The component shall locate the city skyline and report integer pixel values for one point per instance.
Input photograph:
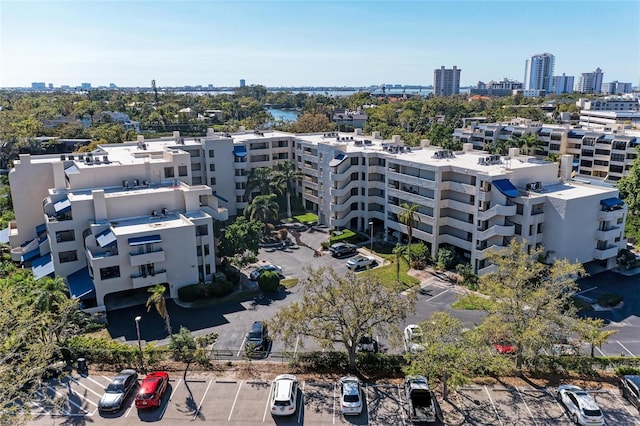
(312, 43)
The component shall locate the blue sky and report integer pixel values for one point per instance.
(296, 43)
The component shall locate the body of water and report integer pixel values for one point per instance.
(283, 114)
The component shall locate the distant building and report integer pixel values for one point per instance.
(504, 87)
(616, 88)
(603, 120)
(50, 86)
(446, 82)
(590, 82)
(609, 104)
(123, 119)
(356, 119)
(538, 72)
(561, 84)
(112, 86)
(242, 82)
(39, 85)
(531, 93)
(85, 86)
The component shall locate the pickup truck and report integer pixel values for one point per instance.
(421, 400)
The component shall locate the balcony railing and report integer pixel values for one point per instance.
(140, 281)
(154, 256)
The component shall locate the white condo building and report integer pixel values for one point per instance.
(538, 72)
(137, 214)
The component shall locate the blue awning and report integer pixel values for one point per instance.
(219, 197)
(148, 239)
(81, 285)
(106, 238)
(41, 228)
(506, 187)
(42, 266)
(30, 255)
(240, 151)
(611, 202)
(62, 205)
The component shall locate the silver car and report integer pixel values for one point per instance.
(581, 406)
(350, 396)
(118, 390)
(255, 274)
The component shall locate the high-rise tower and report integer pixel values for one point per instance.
(539, 72)
(446, 82)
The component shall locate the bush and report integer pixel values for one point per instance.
(269, 281)
(324, 361)
(220, 288)
(609, 299)
(446, 258)
(190, 293)
(627, 370)
(233, 275)
(377, 364)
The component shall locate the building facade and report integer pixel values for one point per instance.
(561, 84)
(616, 88)
(446, 82)
(539, 70)
(590, 82)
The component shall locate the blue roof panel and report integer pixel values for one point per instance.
(62, 205)
(147, 239)
(240, 151)
(506, 187)
(106, 238)
(42, 266)
(81, 285)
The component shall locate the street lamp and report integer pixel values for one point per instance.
(138, 318)
(371, 228)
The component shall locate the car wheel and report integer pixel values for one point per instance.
(574, 417)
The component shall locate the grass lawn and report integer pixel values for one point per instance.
(306, 218)
(473, 302)
(388, 275)
(289, 282)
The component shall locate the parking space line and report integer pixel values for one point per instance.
(264, 415)
(295, 349)
(202, 400)
(553, 397)
(615, 395)
(624, 347)
(87, 388)
(527, 407)
(366, 387)
(175, 389)
(133, 404)
(96, 382)
(334, 403)
(585, 291)
(494, 405)
(234, 401)
(599, 350)
(301, 403)
(73, 403)
(401, 408)
(241, 346)
(437, 295)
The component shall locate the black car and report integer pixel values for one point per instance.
(118, 390)
(258, 337)
(630, 388)
(342, 249)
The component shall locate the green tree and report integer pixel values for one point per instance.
(269, 281)
(285, 174)
(409, 217)
(337, 308)
(590, 331)
(532, 301)
(156, 300)
(263, 208)
(260, 179)
(311, 123)
(241, 236)
(188, 349)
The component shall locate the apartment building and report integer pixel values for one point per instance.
(561, 84)
(590, 82)
(609, 104)
(446, 81)
(616, 88)
(538, 72)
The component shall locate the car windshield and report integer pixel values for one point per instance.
(281, 403)
(592, 413)
(254, 335)
(351, 398)
(146, 395)
(115, 388)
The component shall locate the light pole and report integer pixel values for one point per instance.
(371, 228)
(138, 318)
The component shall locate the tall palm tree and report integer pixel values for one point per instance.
(408, 217)
(157, 300)
(260, 179)
(527, 143)
(263, 208)
(284, 175)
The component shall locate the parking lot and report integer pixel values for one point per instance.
(205, 398)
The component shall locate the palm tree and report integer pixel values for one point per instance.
(527, 143)
(157, 300)
(284, 175)
(408, 217)
(263, 208)
(260, 179)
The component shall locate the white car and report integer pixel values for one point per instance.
(255, 274)
(359, 262)
(285, 395)
(350, 396)
(413, 338)
(581, 406)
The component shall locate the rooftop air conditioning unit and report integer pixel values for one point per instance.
(63, 157)
(534, 186)
(135, 182)
(125, 183)
(154, 213)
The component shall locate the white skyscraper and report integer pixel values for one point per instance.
(539, 72)
(561, 84)
(590, 82)
(446, 82)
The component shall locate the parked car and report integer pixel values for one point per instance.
(503, 347)
(420, 399)
(360, 262)
(118, 390)
(350, 396)
(367, 344)
(152, 388)
(258, 337)
(342, 249)
(630, 389)
(413, 338)
(285, 395)
(581, 406)
(255, 274)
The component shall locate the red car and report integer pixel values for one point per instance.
(151, 390)
(504, 348)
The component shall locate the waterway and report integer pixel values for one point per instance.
(283, 114)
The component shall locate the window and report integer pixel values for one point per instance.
(110, 272)
(63, 236)
(212, 181)
(68, 256)
(212, 167)
(207, 269)
(196, 181)
(211, 153)
(196, 167)
(169, 172)
(206, 250)
(182, 171)
(194, 154)
(202, 230)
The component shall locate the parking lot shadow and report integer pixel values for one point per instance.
(150, 415)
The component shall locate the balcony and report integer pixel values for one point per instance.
(496, 230)
(612, 215)
(458, 187)
(410, 198)
(609, 234)
(458, 206)
(141, 281)
(497, 210)
(455, 241)
(345, 189)
(410, 180)
(484, 253)
(155, 256)
(241, 178)
(456, 223)
(606, 253)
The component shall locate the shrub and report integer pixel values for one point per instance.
(446, 258)
(609, 299)
(190, 293)
(269, 281)
(324, 361)
(221, 288)
(233, 275)
(626, 369)
(376, 364)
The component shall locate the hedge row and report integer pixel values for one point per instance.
(194, 292)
